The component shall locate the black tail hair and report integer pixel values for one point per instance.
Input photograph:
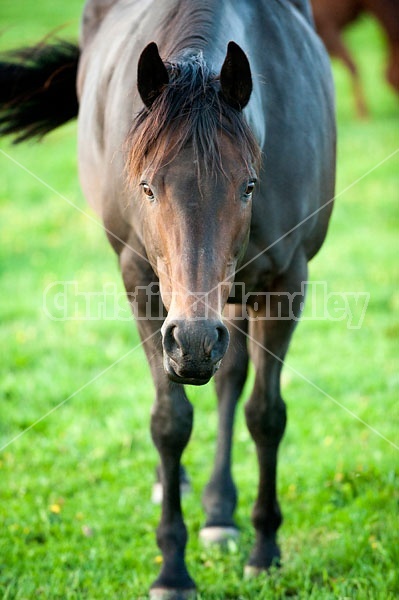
(38, 89)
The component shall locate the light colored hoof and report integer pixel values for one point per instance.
(157, 491)
(218, 535)
(251, 572)
(167, 594)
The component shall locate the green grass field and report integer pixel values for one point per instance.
(77, 462)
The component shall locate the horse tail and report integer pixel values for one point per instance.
(38, 89)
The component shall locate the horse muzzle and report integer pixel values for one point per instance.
(193, 349)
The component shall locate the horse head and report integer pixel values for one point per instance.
(193, 164)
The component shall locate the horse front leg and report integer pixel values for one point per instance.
(270, 331)
(220, 495)
(171, 425)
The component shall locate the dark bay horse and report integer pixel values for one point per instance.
(207, 145)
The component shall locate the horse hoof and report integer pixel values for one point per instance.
(157, 491)
(168, 594)
(218, 535)
(251, 572)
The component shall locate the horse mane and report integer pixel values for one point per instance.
(190, 109)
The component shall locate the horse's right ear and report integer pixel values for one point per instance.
(235, 77)
(151, 74)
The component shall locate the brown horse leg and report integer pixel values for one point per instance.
(220, 495)
(392, 72)
(171, 424)
(340, 51)
(265, 410)
(330, 35)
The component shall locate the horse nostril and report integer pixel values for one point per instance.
(221, 332)
(170, 343)
(221, 343)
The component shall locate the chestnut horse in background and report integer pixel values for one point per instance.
(332, 17)
(206, 142)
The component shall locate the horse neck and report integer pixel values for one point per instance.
(191, 25)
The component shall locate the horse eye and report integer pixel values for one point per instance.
(147, 190)
(249, 189)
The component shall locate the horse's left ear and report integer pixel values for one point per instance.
(235, 77)
(151, 74)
